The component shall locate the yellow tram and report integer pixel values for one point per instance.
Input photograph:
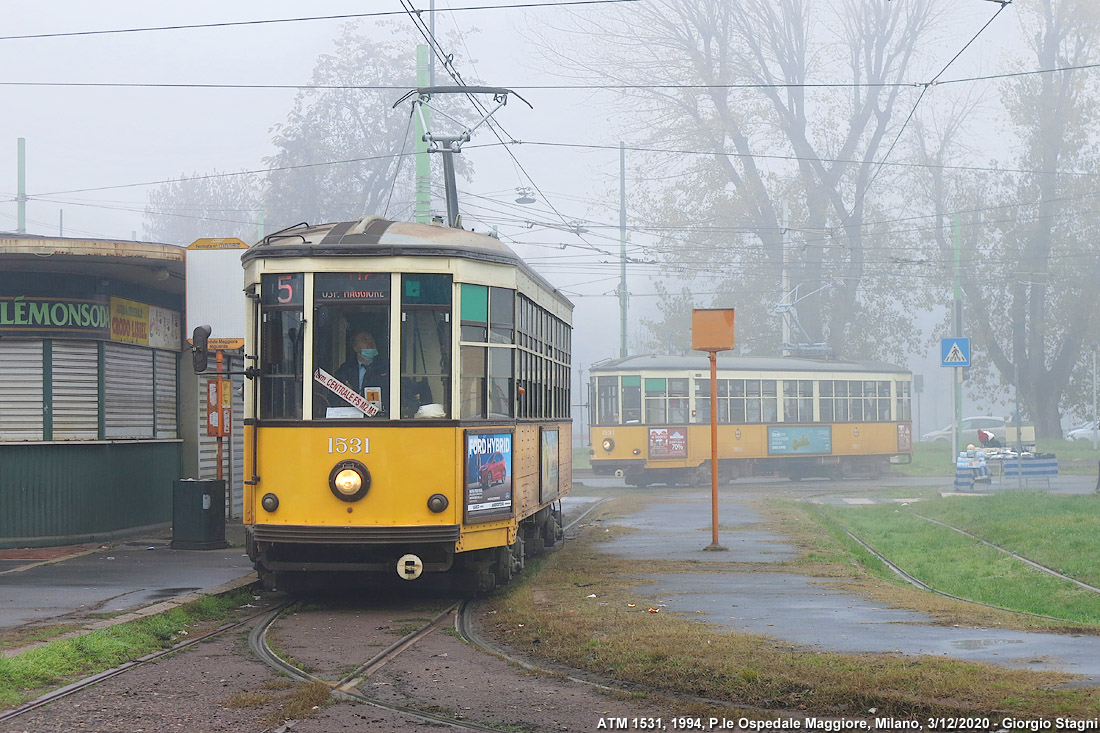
(794, 417)
(409, 407)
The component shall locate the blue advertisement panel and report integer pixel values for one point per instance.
(488, 475)
(786, 440)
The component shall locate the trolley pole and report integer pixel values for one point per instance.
(712, 331)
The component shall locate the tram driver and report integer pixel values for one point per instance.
(366, 370)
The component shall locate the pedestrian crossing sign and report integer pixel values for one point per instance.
(955, 352)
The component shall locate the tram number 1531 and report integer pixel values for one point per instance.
(349, 445)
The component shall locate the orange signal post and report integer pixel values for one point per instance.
(712, 331)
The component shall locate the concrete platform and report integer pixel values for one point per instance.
(140, 575)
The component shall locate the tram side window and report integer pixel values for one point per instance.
(282, 346)
(632, 400)
(656, 402)
(425, 346)
(351, 344)
(855, 401)
(826, 400)
(488, 321)
(607, 396)
(883, 401)
(798, 402)
(904, 401)
(678, 406)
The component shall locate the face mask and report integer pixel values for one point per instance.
(368, 354)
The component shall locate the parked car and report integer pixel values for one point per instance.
(1085, 432)
(1004, 432)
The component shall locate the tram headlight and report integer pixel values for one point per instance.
(270, 502)
(349, 480)
(437, 503)
(608, 444)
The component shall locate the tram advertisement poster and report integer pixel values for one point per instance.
(488, 475)
(549, 485)
(668, 443)
(796, 439)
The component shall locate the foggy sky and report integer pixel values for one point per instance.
(81, 138)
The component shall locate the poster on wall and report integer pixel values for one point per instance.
(549, 484)
(488, 478)
(785, 441)
(668, 443)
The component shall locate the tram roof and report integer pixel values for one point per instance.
(669, 362)
(374, 236)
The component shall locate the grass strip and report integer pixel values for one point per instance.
(956, 564)
(1060, 532)
(28, 675)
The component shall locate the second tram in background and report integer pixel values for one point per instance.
(793, 417)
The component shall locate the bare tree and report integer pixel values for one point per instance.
(1032, 265)
(737, 80)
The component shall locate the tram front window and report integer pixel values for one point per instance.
(351, 339)
(281, 347)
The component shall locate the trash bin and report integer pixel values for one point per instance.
(198, 514)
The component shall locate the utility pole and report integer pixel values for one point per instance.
(21, 187)
(785, 282)
(624, 297)
(957, 312)
(424, 72)
(1095, 427)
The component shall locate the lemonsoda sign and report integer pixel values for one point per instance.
(37, 315)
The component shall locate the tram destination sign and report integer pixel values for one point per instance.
(354, 286)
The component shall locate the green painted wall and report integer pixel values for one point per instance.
(58, 493)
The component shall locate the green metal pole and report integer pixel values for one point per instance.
(423, 212)
(21, 191)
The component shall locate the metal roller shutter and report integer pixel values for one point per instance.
(75, 390)
(165, 362)
(128, 384)
(20, 390)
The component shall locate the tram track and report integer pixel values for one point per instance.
(95, 679)
(347, 687)
(916, 582)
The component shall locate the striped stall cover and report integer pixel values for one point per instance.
(1030, 467)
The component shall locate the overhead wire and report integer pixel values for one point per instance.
(913, 111)
(344, 16)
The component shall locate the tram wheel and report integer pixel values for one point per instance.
(502, 565)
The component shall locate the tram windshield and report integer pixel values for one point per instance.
(355, 347)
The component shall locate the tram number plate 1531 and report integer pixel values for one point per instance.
(349, 445)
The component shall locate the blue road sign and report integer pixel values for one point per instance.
(955, 352)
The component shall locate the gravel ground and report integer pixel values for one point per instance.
(219, 686)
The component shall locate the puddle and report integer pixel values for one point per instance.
(983, 643)
(163, 593)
